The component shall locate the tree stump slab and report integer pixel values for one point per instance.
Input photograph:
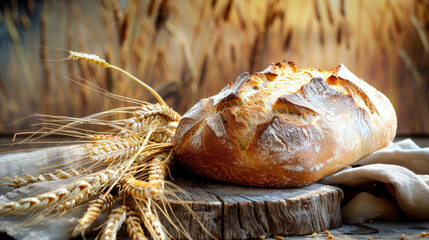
(239, 212)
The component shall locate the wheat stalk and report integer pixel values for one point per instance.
(92, 58)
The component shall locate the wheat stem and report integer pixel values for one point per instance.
(153, 92)
(92, 58)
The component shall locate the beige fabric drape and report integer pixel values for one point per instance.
(403, 168)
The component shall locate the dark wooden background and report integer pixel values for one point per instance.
(188, 50)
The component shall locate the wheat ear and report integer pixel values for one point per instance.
(139, 189)
(92, 58)
(140, 127)
(134, 228)
(113, 223)
(98, 181)
(59, 195)
(95, 208)
(84, 195)
(156, 116)
(76, 200)
(97, 137)
(163, 135)
(58, 174)
(113, 149)
(153, 224)
(44, 200)
(147, 110)
(157, 172)
(97, 60)
(154, 187)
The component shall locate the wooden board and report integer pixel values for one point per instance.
(239, 212)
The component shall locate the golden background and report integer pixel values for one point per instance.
(188, 50)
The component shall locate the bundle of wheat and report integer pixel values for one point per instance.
(132, 158)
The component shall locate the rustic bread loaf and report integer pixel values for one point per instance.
(284, 127)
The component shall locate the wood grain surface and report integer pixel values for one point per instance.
(239, 212)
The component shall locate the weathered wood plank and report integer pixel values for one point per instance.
(206, 206)
(239, 212)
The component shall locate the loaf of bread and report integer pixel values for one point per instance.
(284, 127)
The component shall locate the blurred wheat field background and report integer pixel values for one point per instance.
(188, 50)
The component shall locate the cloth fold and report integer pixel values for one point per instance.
(403, 167)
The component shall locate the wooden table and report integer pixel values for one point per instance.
(242, 212)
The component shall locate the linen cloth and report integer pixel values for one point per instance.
(47, 226)
(403, 169)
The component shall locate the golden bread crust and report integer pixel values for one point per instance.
(284, 127)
